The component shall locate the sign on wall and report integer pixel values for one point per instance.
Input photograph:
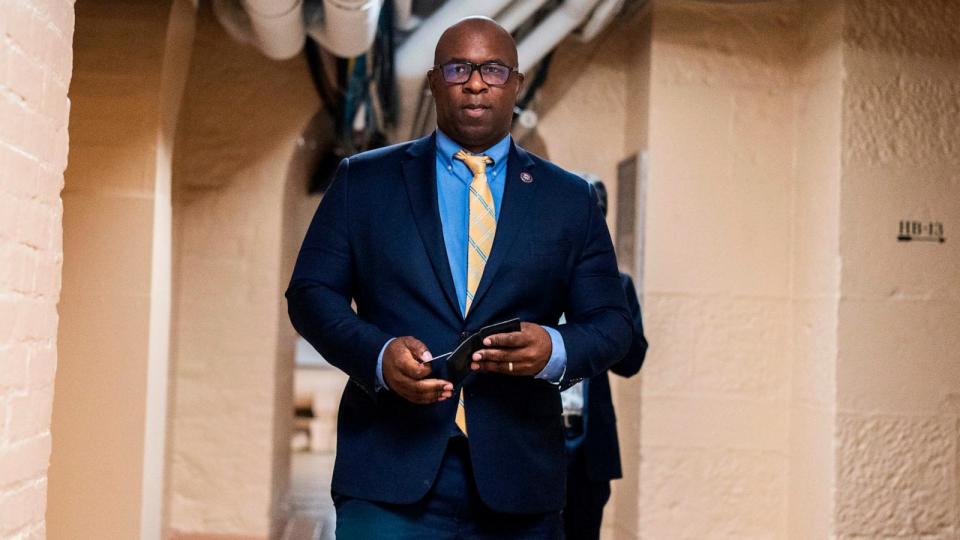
(921, 231)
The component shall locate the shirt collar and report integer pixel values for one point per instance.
(447, 147)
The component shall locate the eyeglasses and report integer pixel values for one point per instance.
(492, 73)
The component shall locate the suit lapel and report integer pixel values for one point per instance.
(420, 177)
(518, 195)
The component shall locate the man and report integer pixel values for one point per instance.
(593, 452)
(433, 240)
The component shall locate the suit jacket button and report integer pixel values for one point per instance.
(464, 335)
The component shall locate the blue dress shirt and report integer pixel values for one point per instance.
(453, 197)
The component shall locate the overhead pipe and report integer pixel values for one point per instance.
(347, 28)
(277, 26)
(549, 33)
(403, 14)
(415, 56)
(518, 13)
(601, 18)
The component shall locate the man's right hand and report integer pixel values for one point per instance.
(407, 376)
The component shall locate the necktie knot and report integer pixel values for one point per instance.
(477, 163)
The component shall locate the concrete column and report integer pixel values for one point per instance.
(232, 342)
(832, 125)
(35, 71)
(898, 365)
(815, 271)
(714, 442)
(109, 418)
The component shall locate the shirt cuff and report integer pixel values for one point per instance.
(557, 365)
(381, 384)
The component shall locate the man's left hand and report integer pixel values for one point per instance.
(515, 353)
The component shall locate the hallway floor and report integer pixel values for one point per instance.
(312, 512)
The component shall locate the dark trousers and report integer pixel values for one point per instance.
(452, 509)
(585, 500)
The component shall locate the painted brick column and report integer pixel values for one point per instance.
(714, 453)
(35, 69)
(898, 367)
(109, 413)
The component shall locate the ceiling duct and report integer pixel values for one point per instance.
(345, 28)
(274, 27)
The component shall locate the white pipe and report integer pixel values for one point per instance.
(518, 13)
(601, 18)
(415, 56)
(348, 28)
(549, 33)
(526, 122)
(401, 11)
(278, 26)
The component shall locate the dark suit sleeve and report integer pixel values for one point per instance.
(633, 361)
(598, 329)
(318, 298)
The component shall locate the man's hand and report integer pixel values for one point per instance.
(515, 353)
(407, 376)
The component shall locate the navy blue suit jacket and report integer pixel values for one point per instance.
(601, 447)
(377, 239)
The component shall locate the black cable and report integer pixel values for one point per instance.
(384, 53)
(318, 75)
(538, 79)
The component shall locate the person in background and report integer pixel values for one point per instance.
(590, 425)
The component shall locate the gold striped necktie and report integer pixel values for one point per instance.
(482, 229)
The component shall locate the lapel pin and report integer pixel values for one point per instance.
(526, 177)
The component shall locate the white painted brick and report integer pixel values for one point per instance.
(30, 413)
(21, 170)
(8, 316)
(54, 106)
(42, 367)
(47, 274)
(13, 368)
(22, 507)
(24, 460)
(61, 138)
(8, 228)
(35, 67)
(39, 532)
(3, 421)
(12, 129)
(26, 78)
(62, 21)
(4, 53)
(17, 15)
(30, 224)
(38, 139)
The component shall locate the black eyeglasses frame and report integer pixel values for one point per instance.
(475, 67)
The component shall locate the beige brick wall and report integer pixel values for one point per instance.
(714, 455)
(898, 368)
(35, 71)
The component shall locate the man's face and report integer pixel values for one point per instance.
(475, 114)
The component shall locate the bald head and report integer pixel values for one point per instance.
(472, 27)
